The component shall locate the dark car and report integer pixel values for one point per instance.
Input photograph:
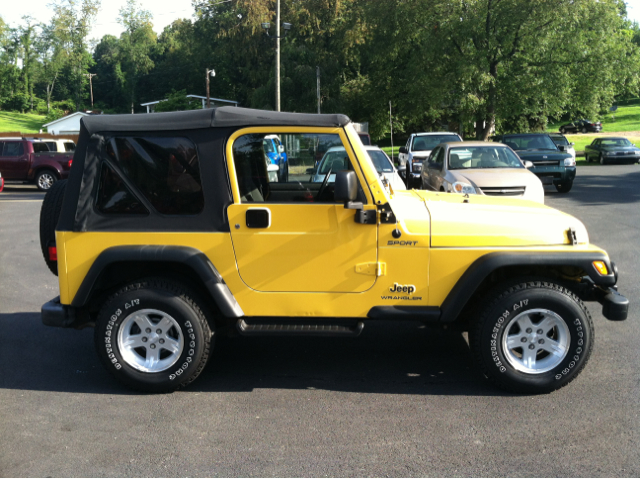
(551, 163)
(612, 150)
(583, 126)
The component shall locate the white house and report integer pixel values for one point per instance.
(151, 106)
(67, 125)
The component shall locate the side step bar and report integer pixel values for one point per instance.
(298, 327)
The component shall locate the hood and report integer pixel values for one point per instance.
(484, 221)
(494, 177)
(620, 148)
(541, 155)
(421, 155)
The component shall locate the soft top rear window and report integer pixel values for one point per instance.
(166, 171)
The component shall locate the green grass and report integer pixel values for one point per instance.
(24, 123)
(626, 118)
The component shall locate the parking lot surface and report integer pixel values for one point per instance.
(400, 400)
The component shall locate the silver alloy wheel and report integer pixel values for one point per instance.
(46, 180)
(150, 340)
(536, 341)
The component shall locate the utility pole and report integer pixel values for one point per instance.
(318, 86)
(91, 75)
(211, 72)
(278, 55)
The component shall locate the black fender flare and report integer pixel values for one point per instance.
(481, 268)
(191, 257)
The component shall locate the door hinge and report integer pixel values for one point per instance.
(373, 269)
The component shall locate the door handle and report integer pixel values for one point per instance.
(258, 218)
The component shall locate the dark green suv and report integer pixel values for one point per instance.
(551, 163)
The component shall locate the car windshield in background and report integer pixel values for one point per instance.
(530, 142)
(380, 161)
(429, 142)
(334, 160)
(483, 157)
(615, 142)
(560, 140)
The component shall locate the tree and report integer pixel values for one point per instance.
(71, 25)
(137, 44)
(487, 61)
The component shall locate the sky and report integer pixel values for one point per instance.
(164, 12)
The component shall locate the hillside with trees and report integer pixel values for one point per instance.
(468, 64)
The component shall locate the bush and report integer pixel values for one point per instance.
(178, 101)
(53, 115)
(18, 102)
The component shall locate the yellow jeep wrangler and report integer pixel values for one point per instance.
(174, 228)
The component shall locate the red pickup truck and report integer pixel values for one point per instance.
(25, 160)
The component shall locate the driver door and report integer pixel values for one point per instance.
(292, 236)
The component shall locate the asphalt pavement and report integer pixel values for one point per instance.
(400, 400)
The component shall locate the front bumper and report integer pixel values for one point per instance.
(554, 175)
(615, 307)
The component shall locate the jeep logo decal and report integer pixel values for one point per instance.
(402, 288)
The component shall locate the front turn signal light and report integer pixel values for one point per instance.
(601, 267)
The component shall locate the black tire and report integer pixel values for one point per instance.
(602, 160)
(45, 179)
(510, 306)
(181, 321)
(584, 130)
(564, 187)
(563, 131)
(586, 158)
(49, 215)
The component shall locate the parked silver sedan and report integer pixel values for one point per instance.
(476, 167)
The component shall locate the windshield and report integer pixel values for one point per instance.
(429, 142)
(381, 161)
(334, 160)
(560, 140)
(530, 142)
(483, 157)
(616, 142)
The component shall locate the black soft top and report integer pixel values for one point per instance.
(207, 129)
(223, 117)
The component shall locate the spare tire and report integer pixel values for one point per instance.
(49, 215)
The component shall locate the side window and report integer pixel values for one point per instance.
(114, 197)
(13, 148)
(40, 147)
(51, 145)
(165, 170)
(303, 173)
(1, 147)
(68, 146)
(439, 158)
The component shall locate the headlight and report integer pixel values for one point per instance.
(569, 162)
(461, 187)
(417, 166)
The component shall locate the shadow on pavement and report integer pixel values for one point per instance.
(20, 192)
(593, 189)
(388, 358)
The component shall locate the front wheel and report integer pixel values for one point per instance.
(533, 337)
(584, 130)
(563, 131)
(602, 160)
(564, 187)
(153, 336)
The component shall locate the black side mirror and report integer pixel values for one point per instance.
(346, 189)
(403, 150)
(562, 147)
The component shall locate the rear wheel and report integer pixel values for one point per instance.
(564, 187)
(45, 179)
(49, 215)
(533, 337)
(584, 129)
(153, 336)
(586, 158)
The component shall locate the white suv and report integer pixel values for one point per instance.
(417, 150)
